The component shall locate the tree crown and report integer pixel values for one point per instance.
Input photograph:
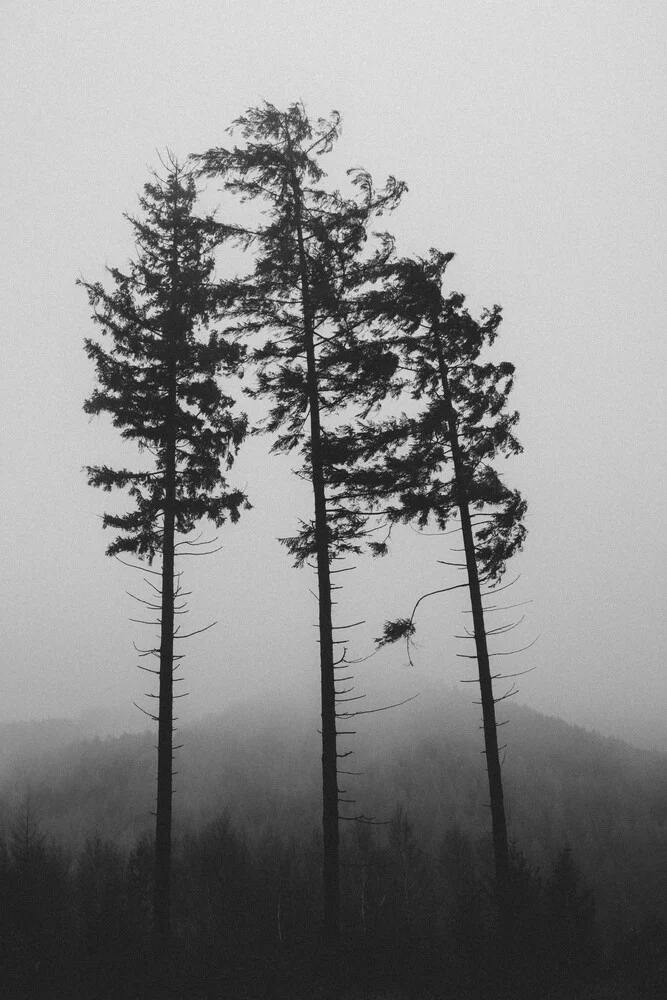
(310, 268)
(158, 366)
(404, 462)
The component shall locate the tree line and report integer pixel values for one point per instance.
(246, 909)
(371, 372)
(417, 906)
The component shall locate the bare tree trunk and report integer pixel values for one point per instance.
(162, 888)
(498, 820)
(165, 754)
(330, 831)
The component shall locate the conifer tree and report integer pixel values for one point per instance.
(434, 464)
(308, 268)
(157, 370)
(571, 916)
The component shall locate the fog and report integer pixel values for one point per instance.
(529, 136)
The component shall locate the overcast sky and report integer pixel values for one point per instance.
(532, 138)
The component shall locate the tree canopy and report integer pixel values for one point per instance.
(159, 374)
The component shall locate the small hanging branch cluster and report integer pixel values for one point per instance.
(405, 628)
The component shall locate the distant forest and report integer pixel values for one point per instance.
(587, 819)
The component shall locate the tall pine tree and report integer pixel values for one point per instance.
(433, 464)
(157, 369)
(309, 266)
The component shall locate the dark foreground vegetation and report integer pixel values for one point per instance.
(588, 869)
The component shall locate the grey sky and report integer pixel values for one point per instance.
(532, 139)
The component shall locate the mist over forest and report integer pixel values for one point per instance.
(248, 782)
(259, 764)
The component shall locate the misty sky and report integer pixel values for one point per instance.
(531, 136)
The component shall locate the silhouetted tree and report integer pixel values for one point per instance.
(464, 910)
(571, 917)
(308, 267)
(158, 379)
(459, 425)
(521, 940)
(408, 859)
(104, 926)
(36, 947)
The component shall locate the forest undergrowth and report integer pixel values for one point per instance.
(418, 922)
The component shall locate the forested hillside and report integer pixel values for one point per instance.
(258, 765)
(587, 818)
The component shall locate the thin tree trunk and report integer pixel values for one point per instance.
(330, 829)
(498, 820)
(162, 884)
(162, 888)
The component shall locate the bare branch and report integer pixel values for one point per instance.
(145, 569)
(142, 600)
(508, 694)
(506, 628)
(519, 673)
(149, 714)
(494, 631)
(431, 593)
(511, 652)
(362, 659)
(372, 711)
(198, 631)
(366, 820)
(497, 590)
(146, 652)
(508, 652)
(181, 555)
(196, 541)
